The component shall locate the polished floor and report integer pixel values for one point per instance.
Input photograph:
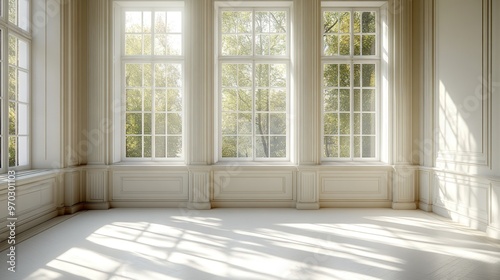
(256, 244)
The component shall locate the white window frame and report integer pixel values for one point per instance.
(381, 67)
(120, 59)
(7, 29)
(253, 59)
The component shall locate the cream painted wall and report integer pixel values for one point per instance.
(460, 133)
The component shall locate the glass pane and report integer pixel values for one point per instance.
(277, 123)
(278, 75)
(160, 100)
(368, 75)
(357, 146)
(23, 54)
(278, 146)
(244, 124)
(357, 75)
(357, 45)
(147, 146)
(133, 123)
(357, 100)
(229, 75)
(229, 22)
(262, 123)
(133, 22)
(368, 146)
(160, 146)
(344, 44)
(262, 43)
(13, 151)
(369, 22)
(148, 100)
(262, 146)
(345, 100)
(229, 45)
(12, 118)
(277, 100)
(133, 146)
(331, 44)
(174, 75)
(345, 146)
(262, 100)
(133, 75)
(147, 123)
(369, 45)
(345, 22)
(22, 125)
(160, 123)
(368, 100)
(262, 75)
(331, 146)
(13, 50)
(345, 75)
(229, 101)
(331, 125)
(229, 144)
(229, 123)
(22, 150)
(174, 100)
(174, 123)
(277, 21)
(331, 75)
(160, 22)
(357, 22)
(244, 100)
(133, 44)
(174, 44)
(245, 148)
(368, 123)
(345, 123)
(262, 22)
(331, 22)
(23, 94)
(174, 146)
(277, 44)
(357, 123)
(13, 84)
(174, 21)
(160, 44)
(331, 100)
(244, 22)
(244, 75)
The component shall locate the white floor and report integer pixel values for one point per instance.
(256, 244)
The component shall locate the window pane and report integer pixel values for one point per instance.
(133, 146)
(160, 146)
(229, 146)
(174, 146)
(331, 144)
(368, 146)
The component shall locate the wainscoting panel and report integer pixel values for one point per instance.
(244, 185)
(462, 198)
(150, 185)
(354, 185)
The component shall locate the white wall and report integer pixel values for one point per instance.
(460, 140)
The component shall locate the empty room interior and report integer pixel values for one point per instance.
(283, 139)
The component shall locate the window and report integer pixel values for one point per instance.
(351, 83)
(15, 81)
(253, 83)
(152, 81)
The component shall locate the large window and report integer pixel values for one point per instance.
(15, 83)
(253, 73)
(152, 83)
(350, 87)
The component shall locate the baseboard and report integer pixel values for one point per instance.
(148, 204)
(199, 205)
(253, 204)
(425, 206)
(404, 205)
(307, 206)
(97, 205)
(355, 204)
(68, 210)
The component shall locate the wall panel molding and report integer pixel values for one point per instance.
(354, 186)
(149, 185)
